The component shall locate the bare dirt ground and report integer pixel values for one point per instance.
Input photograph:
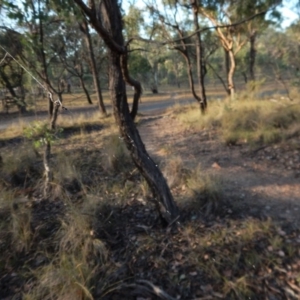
(264, 181)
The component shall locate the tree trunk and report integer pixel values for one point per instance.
(111, 19)
(85, 29)
(55, 112)
(89, 100)
(252, 55)
(47, 169)
(50, 107)
(134, 83)
(201, 70)
(231, 88)
(106, 19)
(190, 75)
(137, 150)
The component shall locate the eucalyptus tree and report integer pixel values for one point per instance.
(39, 26)
(74, 59)
(223, 14)
(180, 39)
(73, 17)
(257, 25)
(106, 19)
(84, 28)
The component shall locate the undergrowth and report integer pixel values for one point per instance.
(247, 121)
(98, 237)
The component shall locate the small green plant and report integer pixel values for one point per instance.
(40, 134)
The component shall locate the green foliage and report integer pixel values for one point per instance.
(40, 134)
(138, 65)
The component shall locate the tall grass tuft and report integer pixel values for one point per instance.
(206, 191)
(246, 121)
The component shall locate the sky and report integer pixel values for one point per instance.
(288, 15)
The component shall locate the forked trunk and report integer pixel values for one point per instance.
(134, 83)
(107, 20)
(112, 21)
(190, 76)
(130, 134)
(89, 100)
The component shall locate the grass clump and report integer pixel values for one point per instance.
(71, 272)
(115, 154)
(251, 121)
(206, 191)
(21, 169)
(175, 172)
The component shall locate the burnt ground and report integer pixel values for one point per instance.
(249, 249)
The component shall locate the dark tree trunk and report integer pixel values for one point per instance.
(201, 69)
(245, 77)
(219, 77)
(252, 55)
(134, 83)
(184, 52)
(110, 29)
(85, 29)
(50, 107)
(190, 76)
(89, 100)
(131, 136)
(154, 90)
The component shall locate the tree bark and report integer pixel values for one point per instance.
(85, 30)
(201, 69)
(231, 87)
(47, 169)
(136, 84)
(50, 107)
(54, 116)
(252, 55)
(89, 100)
(111, 22)
(190, 75)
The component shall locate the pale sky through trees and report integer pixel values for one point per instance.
(288, 12)
(288, 15)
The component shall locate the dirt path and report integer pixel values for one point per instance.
(265, 182)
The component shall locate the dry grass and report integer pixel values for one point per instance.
(246, 121)
(106, 235)
(206, 192)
